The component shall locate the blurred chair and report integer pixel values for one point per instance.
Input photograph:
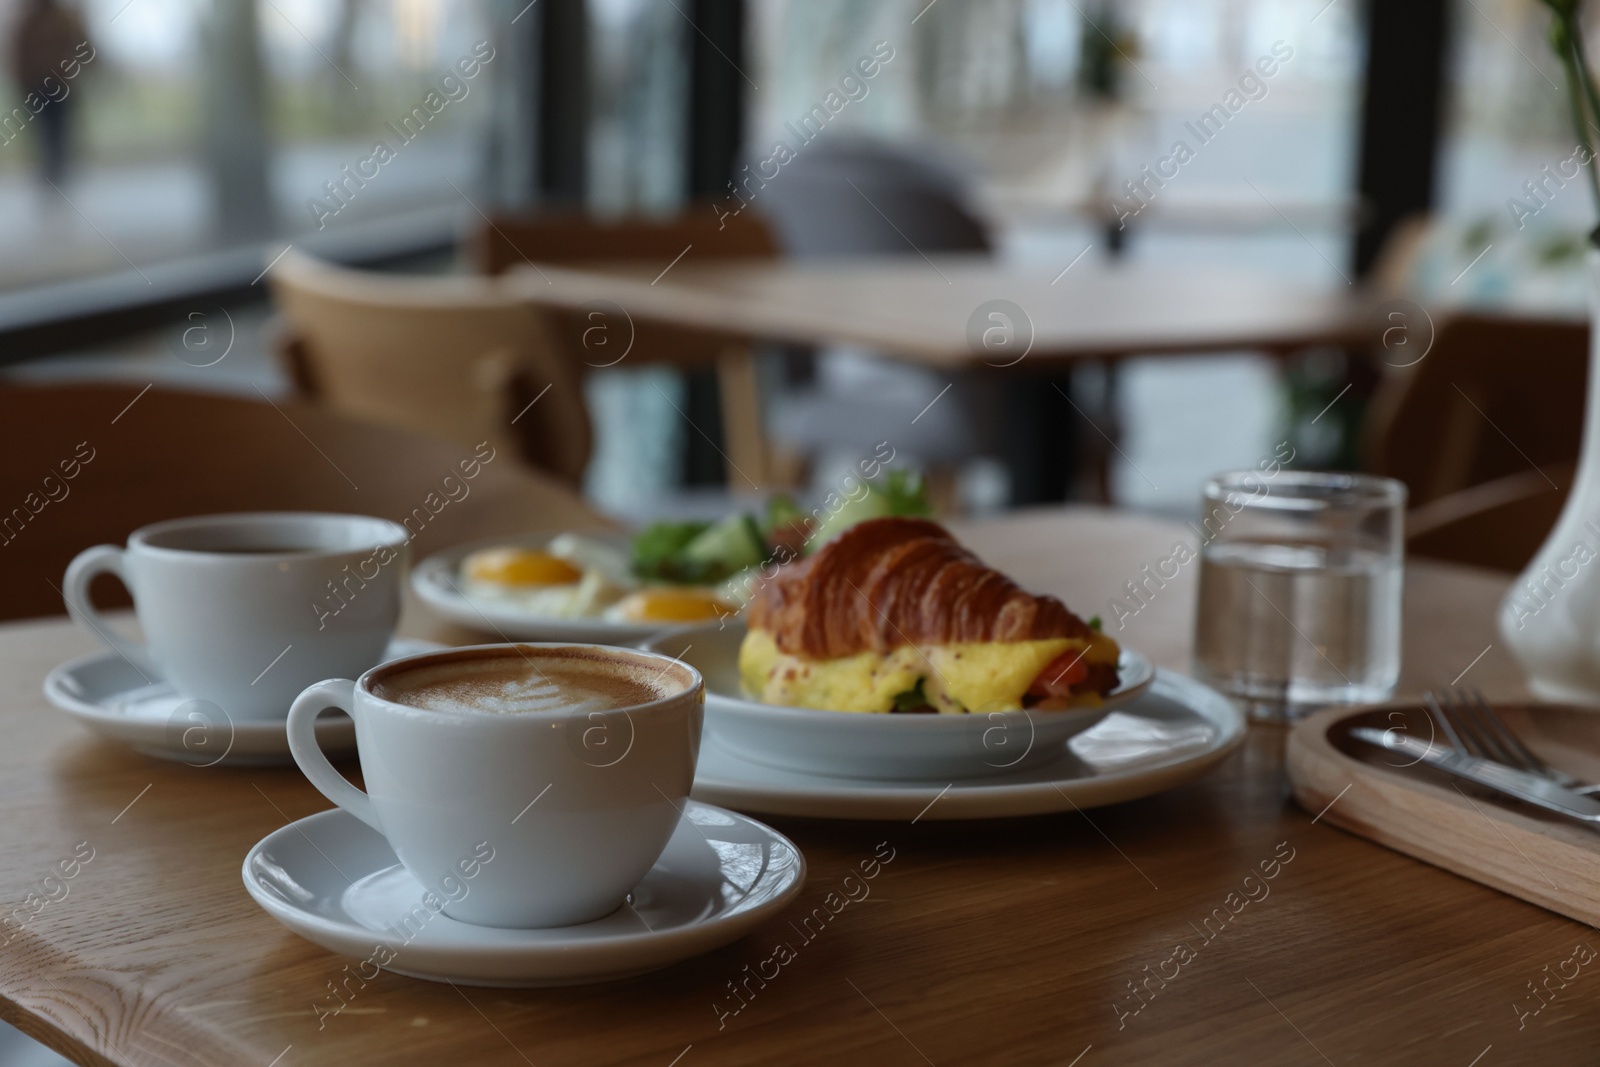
(698, 235)
(137, 458)
(854, 196)
(858, 197)
(456, 357)
(509, 240)
(1498, 524)
(1484, 430)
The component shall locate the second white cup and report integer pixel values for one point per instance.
(246, 610)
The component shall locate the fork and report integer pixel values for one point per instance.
(1474, 728)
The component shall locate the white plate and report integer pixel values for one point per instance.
(721, 876)
(109, 696)
(855, 745)
(1174, 733)
(437, 581)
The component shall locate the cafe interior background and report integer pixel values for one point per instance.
(203, 132)
(1383, 151)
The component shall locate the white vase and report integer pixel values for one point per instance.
(1550, 618)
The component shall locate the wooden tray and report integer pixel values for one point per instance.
(1517, 849)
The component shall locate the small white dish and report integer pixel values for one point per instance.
(110, 696)
(1175, 732)
(436, 580)
(857, 745)
(721, 876)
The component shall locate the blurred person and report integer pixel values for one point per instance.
(47, 42)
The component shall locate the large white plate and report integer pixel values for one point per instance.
(871, 746)
(108, 695)
(436, 580)
(1172, 734)
(335, 881)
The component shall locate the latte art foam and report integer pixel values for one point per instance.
(514, 686)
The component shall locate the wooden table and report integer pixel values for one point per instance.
(935, 312)
(1009, 942)
(918, 310)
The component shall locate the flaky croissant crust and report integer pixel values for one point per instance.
(887, 583)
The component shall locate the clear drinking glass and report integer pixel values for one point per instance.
(1300, 575)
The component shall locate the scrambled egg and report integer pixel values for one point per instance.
(957, 678)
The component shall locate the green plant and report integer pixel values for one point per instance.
(1566, 39)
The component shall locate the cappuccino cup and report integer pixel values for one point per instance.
(566, 765)
(246, 610)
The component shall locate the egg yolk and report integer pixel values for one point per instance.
(520, 566)
(674, 605)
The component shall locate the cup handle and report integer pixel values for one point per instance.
(335, 693)
(84, 568)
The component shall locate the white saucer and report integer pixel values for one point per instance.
(1175, 732)
(721, 876)
(109, 696)
(876, 747)
(436, 581)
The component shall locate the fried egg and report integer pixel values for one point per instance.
(578, 576)
(595, 554)
(669, 604)
(563, 580)
(511, 568)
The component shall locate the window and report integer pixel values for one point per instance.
(199, 125)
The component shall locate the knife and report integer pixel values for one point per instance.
(1531, 788)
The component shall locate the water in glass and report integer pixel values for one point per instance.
(1297, 624)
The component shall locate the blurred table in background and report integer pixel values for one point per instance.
(952, 313)
(919, 310)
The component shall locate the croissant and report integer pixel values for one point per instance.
(892, 582)
(894, 600)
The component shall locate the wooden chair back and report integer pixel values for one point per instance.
(1493, 397)
(567, 238)
(1480, 429)
(456, 357)
(88, 464)
(697, 235)
(593, 339)
(1498, 524)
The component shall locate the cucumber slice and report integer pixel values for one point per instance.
(781, 511)
(729, 546)
(658, 547)
(871, 505)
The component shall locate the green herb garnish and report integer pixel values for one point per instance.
(912, 699)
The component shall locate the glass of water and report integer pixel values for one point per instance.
(1300, 575)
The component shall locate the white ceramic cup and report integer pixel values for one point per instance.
(574, 807)
(246, 610)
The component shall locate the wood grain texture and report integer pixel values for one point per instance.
(1539, 857)
(1008, 942)
(918, 310)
